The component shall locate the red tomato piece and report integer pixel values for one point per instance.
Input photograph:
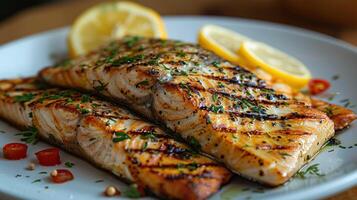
(49, 157)
(63, 175)
(318, 86)
(15, 151)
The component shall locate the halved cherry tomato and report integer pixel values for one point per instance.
(15, 151)
(63, 175)
(318, 86)
(49, 157)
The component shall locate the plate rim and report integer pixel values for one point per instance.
(320, 190)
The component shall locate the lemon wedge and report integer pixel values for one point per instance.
(222, 41)
(279, 64)
(107, 21)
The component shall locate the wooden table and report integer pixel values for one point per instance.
(304, 13)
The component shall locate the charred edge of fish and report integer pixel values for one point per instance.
(203, 175)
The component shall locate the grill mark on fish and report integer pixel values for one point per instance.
(232, 96)
(204, 175)
(167, 149)
(259, 85)
(116, 117)
(248, 114)
(142, 132)
(180, 165)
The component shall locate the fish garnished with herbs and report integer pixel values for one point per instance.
(217, 107)
(111, 138)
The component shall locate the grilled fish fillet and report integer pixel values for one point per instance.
(226, 111)
(113, 139)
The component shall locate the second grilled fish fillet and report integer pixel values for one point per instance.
(222, 109)
(113, 139)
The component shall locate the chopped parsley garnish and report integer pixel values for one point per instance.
(332, 96)
(244, 104)
(145, 146)
(99, 181)
(120, 136)
(110, 121)
(69, 100)
(82, 110)
(193, 142)
(99, 86)
(36, 181)
(216, 109)
(328, 110)
(267, 90)
(85, 98)
(149, 135)
(235, 138)
(183, 73)
(132, 192)
(69, 164)
(144, 82)
(154, 61)
(127, 60)
(42, 173)
(141, 47)
(220, 85)
(284, 155)
(216, 64)
(131, 41)
(24, 98)
(30, 135)
(186, 87)
(311, 170)
(214, 97)
(181, 54)
(62, 94)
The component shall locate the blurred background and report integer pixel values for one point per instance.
(337, 18)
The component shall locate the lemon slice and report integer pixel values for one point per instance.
(224, 42)
(107, 21)
(279, 64)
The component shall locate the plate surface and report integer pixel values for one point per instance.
(324, 56)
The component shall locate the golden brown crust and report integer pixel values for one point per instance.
(341, 116)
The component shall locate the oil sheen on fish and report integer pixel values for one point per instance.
(225, 110)
(113, 139)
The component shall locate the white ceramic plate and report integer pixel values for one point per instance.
(324, 56)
